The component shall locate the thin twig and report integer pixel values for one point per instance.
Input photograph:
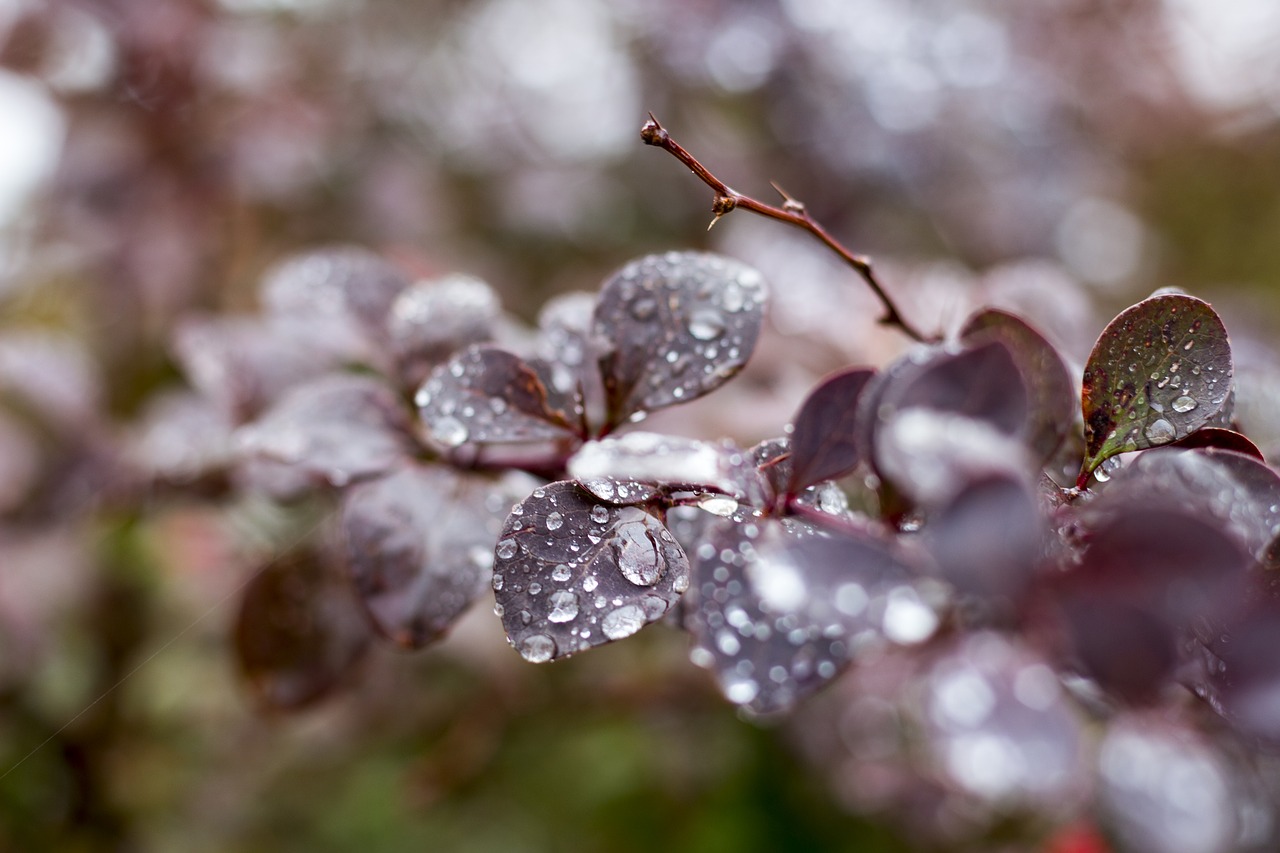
(791, 212)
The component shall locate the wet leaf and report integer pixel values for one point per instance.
(680, 325)
(670, 462)
(244, 364)
(1160, 371)
(1148, 578)
(488, 395)
(1219, 438)
(777, 609)
(823, 444)
(335, 430)
(338, 290)
(1050, 390)
(982, 383)
(1241, 675)
(180, 436)
(1164, 789)
(432, 319)
(999, 725)
(571, 573)
(931, 456)
(419, 548)
(298, 633)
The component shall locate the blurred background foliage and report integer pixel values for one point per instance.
(157, 156)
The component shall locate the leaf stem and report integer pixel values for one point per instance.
(792, 212)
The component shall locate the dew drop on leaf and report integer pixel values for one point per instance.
(623, 622)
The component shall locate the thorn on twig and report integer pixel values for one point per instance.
(652, 133)
(788, 202)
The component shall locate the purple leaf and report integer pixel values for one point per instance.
(488, 395)
(1050, 390)
(419, 548)
(680, 325)
(430, 320)
(1160, 371)
(336, 429)
(571, 573)
(823, 444)
(777, 609)
(1218, 438)
(298, 633)
(340, 290)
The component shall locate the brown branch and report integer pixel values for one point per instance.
(791, 212)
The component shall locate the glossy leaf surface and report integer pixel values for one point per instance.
(679, 325)
(488, 395)
(1161, 370)
(571, 573)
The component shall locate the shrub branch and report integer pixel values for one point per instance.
(792, 212)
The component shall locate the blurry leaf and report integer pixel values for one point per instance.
(54, 374)
(488, 395)
(930, 456)
(1147, 578)
(430, 320)
(336, 429)
(777, 609)
(571, 573)
(180, 436)
(669, 461)
(419, 548)
(1241, 676)
(987, 542)
(1050, 390)
(823, 445)
(565, 344)
(1163, 789)
(681, 325)
(999, 725)
(1160, 370)
(339, 290)
(1219, 438)
(983, 383)
(243, 364)
(298, 633)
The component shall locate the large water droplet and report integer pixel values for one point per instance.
(706, 324)
(721, 505)
(450, 432)
(506, 549)
(538, 648)
(622, 622)
(564, 606)
(637, 554)
(555, 521)
(590, 582)
(560, 573)
(599, 514)
(1184, 404)
(1160, 431)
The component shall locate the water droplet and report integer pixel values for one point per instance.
(564, 606)
(450, 432)
(733, 298)
(1184, 404)
(706, 324)
(719, 505)
(643, 308)
(622, 622)
(907, 619)
(555, 521)
(560, 573)
(600, 514)
(653, 606)
(740, 691)
(507, 549)
(637, 554)
(535, 588)
(1160, 431)
(538, 648)
(497, 582)
(589, 583)
(497, 405)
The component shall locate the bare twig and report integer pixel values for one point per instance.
(792, 212)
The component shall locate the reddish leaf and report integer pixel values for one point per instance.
(1160, 371)
(1050, 391)
(824, 442)
(298, 633)
(1218, 438)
